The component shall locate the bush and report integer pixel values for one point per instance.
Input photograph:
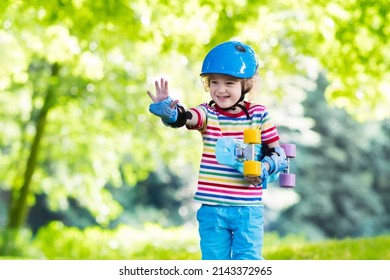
(17, 243)
(152, 242)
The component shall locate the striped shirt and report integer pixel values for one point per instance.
(220, 184)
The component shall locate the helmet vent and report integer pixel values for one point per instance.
(240, 48)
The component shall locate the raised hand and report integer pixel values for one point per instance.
(163, 106)
(162, 93)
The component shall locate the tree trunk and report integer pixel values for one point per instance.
(18, 207)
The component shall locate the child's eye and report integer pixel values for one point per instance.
(231, 83)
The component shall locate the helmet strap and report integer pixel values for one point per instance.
(237, 104)
(233, 107)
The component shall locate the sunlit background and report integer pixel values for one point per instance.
(86, 172)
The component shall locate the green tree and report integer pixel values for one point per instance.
(349, 39)
(73, 77)
(78, 111)
(377, 156)
(341, 177)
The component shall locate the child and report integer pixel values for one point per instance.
(231, 213)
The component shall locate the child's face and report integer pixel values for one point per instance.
(225, 90)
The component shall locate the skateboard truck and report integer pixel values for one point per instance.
(252, 164)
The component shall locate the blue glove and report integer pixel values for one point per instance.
(163, 110)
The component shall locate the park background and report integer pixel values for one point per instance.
(86, 172)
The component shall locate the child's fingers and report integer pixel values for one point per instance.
(157, 86)
(151, 96)
(165, 83)
(253, 180)
(161, 92)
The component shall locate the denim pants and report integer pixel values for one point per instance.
(231, 232)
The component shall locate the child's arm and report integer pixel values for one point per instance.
(171, 113)
(275, 159)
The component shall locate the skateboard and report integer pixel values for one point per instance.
(245, 156)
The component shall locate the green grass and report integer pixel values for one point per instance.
(152, 242)
(374, 248)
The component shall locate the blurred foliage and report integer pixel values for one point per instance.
(21, 245)
(343, 180)
(150, 242)
(164, 198)
(75, 128)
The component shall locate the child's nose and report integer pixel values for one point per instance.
(221, 88)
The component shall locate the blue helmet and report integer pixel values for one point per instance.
(231, 58)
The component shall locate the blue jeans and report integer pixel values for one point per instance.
(231, 232)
